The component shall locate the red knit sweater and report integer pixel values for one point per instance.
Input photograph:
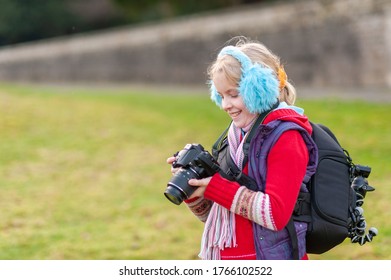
(286, 166)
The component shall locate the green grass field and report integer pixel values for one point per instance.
(83, 170)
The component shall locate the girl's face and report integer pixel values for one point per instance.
(232, 102)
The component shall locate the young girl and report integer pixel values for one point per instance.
(247, 80)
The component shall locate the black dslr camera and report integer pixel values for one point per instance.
(193, 163)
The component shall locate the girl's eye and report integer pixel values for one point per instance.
(234, 94)
(231, 95)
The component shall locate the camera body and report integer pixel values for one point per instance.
(193, 163)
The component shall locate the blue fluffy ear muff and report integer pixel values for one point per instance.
(258, 85)
(214, 95)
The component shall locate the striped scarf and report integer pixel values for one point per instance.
(219, 231)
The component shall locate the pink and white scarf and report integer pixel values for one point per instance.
(219, 231)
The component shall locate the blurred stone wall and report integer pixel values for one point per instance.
(322, 43)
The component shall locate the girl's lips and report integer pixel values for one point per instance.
(234, 114)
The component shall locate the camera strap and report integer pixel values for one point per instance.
(229, 169)
(253, 130)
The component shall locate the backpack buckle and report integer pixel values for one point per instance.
(298, 207)
(302, 206)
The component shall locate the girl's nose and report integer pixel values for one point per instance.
(226, 104)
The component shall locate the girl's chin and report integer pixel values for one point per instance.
(242, 122)
(238, 123)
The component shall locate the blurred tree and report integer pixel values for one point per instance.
(28, 20)
(157, 9)
(97, 14)
(24, 20)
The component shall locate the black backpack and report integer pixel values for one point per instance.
(336, 195)
(333, 205)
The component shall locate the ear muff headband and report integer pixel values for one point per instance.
(258, 84)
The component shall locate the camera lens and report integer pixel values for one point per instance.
(174, 194)
(178, 188)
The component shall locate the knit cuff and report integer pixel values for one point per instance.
(221, 190)
(200, 207)
(190, 200)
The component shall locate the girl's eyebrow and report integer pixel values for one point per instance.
(232, 91)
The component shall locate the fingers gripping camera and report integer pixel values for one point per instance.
(193, 163)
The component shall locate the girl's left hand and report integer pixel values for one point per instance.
(201, 184)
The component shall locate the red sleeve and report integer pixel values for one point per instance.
(221, 190)
(286, 167)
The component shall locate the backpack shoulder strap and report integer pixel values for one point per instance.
(253, 130)
(220, 151)
(228, 168)
(219, 144)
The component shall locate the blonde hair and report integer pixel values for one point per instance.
(258, 53)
